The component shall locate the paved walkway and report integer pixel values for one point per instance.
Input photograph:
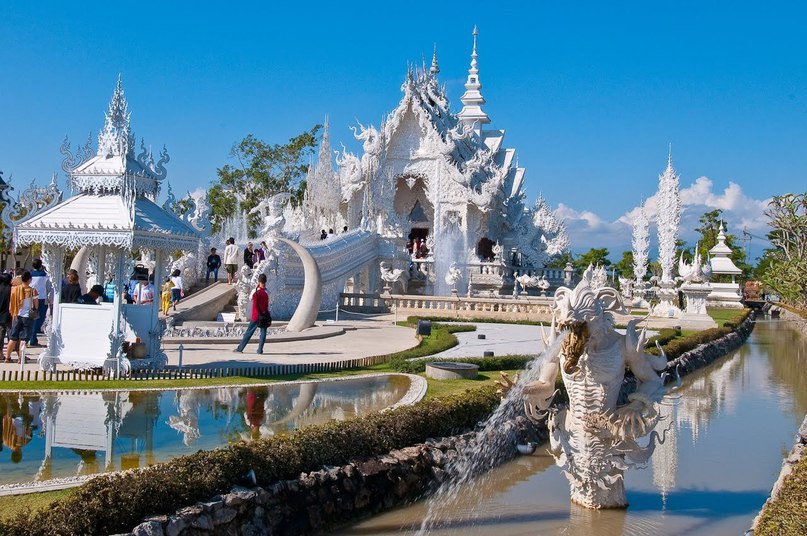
(501, 339)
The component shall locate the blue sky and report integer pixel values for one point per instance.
(590, 94)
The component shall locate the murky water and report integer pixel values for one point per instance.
(56, 435)
(731, 427)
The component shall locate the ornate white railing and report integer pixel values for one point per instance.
(522, 308)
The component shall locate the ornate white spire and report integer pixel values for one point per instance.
(434, 68)
(668, 219)
(472, 100)
(640, 243)
(116, 138)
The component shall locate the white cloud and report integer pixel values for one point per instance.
(587, 229)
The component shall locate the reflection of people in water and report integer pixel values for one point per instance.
(256, 410)
(19, 425)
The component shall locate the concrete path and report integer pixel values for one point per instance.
(501, 339)
(204, 304)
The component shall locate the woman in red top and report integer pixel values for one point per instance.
(260, 316)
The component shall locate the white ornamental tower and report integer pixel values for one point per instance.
(641, 244)
(472, 100)
(667, 221)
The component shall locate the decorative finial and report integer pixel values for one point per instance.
(434, 68)
(473, 52)
(669, 156)
(472, 100)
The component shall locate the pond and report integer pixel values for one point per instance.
(730, 426)
(66, 434)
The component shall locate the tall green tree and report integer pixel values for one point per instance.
(711, 222)
(786, 272)
(594, 257)
(624, 267)
(259, 171)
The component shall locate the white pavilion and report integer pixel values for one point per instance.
(114, 214)
(724, 294)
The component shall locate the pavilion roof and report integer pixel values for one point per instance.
(108, 220)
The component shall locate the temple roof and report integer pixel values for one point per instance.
(92, 220)
(721, 261)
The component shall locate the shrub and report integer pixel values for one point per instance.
(674, 344)
(118, 502)
(441, 339)
(504, 362)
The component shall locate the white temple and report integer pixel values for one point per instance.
(437, 181)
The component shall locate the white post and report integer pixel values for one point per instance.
(154, 338)
(181, 350)
(116, 302)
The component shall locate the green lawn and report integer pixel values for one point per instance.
(723, 315)
(11, 505)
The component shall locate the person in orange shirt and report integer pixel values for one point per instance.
(23, 306)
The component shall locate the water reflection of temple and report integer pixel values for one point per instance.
(116, 425)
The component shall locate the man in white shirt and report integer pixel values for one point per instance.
(231, 260)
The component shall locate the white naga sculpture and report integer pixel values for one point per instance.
(594, 439)
(454, 274)
(391, 277)
(697, 272)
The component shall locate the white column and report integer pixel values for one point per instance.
(118, 280)
(154, 338)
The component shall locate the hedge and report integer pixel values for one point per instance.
(676, 346)
(504, 362)
(115, 503)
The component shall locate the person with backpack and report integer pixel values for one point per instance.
(41, 283)
(23, 306)
(260, 318)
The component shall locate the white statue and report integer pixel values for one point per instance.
(593, 439)
(271, 211)
(626, 288)
(695, 272)
(599, 277)
(454, 274)
(391, 277)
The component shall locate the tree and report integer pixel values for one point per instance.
(560, 261)
(711, 223)
(787, 266)
(261, 171)
(624, 267)
(593, 257)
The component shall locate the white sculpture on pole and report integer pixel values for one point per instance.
(454, 274)
(641, 246)
(667, 222)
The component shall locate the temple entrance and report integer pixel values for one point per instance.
(416, 242)
(485, 249)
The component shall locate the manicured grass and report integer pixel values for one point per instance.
(449, 387)
(787, 514)
(723, 315)
(11, 505)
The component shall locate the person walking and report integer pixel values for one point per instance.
(178, 291)
(213, 265)
(166, 295)
(231, 260)
(5, 314)
(23, 305)
(249, 256)
(260, 319)
(41, 283)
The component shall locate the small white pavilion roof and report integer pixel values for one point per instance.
(94, 220)
(720, 256)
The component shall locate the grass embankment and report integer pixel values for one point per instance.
(676, 342)
(787, 514)
(795, 310)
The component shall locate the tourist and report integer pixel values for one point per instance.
(93, 297)
(344, 229)
(231, 260)
(23, 304)
(249, 256)
(261, 252)
(178, 291)
(143, 292)
(109, 289)
(40, 281)
(71, 291)
(260, 317)
(5, 314)
(166, 294)
(323, 235)
(213, 265)
(330, 233)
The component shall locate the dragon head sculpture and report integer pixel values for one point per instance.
(585, 314)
